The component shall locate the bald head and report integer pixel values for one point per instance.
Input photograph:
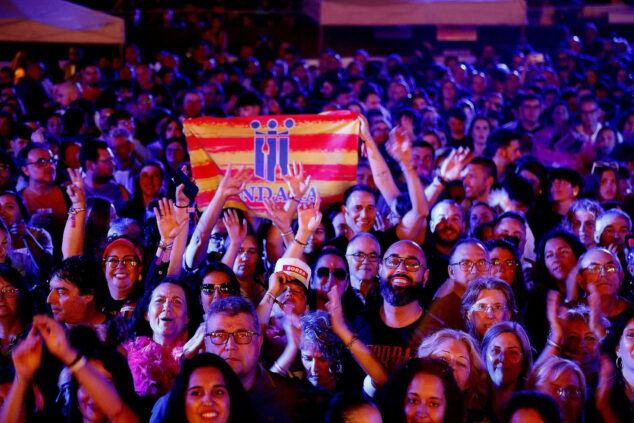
(405, 248)
(67, 92)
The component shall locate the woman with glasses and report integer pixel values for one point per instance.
(509, 361)
(505, 265)
(487, 302)
(17, 308)
(422, 390)
(462, 353)
(564, 381)
(161, 324)
(207, 390)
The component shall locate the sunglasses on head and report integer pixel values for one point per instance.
(324, 272)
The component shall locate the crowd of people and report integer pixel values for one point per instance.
(479, 270)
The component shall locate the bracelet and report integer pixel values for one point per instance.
(292, 198)
(74, 211)
(287, 233)
(77, 358)
(79, 364)
(441, 180)
(352, 341)
(271, 295)
(164, 246)
(279, 369)
(553, 344)
(182, 207)
(303, 244)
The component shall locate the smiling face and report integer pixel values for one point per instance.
(447, 223)
(360, 211)
(207, 399)
(625, 349)
(9, 209)
(122, 277)
(167, 312)
(425, 401)
(8, 301)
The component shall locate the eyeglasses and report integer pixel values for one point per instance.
(359, 257)
(411, 264)
(224, 288)
(128, 261)
(9, 292)
(596, 269)
(466, 265)
(511, 264)
(571, 391)
(241, 336)
(484, 308)
(43, 162)
(324, 272)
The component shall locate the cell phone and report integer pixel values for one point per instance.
(191, 190)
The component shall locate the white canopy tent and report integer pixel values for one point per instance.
(57, 21)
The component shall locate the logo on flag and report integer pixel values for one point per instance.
(326, 145)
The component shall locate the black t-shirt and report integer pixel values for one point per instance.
(393, 345)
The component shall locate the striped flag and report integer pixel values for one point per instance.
(325, 144)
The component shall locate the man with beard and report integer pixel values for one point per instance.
(468, 261)
(394, 331)
(479, 176)
(447, 226)
(90, 76)
(98, 163)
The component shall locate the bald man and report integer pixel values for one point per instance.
(66, 93)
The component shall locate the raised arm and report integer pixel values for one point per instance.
(411, 226)
(280, 218)
(237, 233)
(380, 170)
(308, 219)
(297, 185)
(450, 170)
(98, 387)
(361, 353)
(556, 337)
(170, 229)
(230, 185)
(75, 229)
(181, 213)
(27, 357)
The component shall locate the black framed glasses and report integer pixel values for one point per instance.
(241, 336)
(129, 262)
(224, 289)
(43, 162)
(411, 264)
(467, 265)
(359, 257)
(339, 274)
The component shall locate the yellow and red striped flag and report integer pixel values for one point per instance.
(325, 144)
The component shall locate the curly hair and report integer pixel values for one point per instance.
(87, 276)
(317, 330)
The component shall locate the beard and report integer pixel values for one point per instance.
(397, 297)
(446, 241)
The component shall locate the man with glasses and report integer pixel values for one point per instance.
(232, 331)
(395, 329)
(468, 261)
(98, 163)
(589, 113)
(364, 255)
(45, 200)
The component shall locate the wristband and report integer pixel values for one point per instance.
(77, 358)
(441, 180)
(164, 246)
(74, 211)
(79, 364)
(303, 244)
(288, 233)
(553, 344)
(182, 207)
(279, 369)
(352, 341)
(292, 198)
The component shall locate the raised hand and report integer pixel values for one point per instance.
(277, 283)
(400, 146)
(277, 215)
(597, 319)
(27, 356)
(553, 310)
(237, 231)
(309, 216)
(196, 343)
(365, 134)
(336, 311)
(292, 326)
(297, 183)
(54, 336)
(452, 167)
(75, 189)
(234, 184)
(169, 227)
(18, 228)
(604, 388)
